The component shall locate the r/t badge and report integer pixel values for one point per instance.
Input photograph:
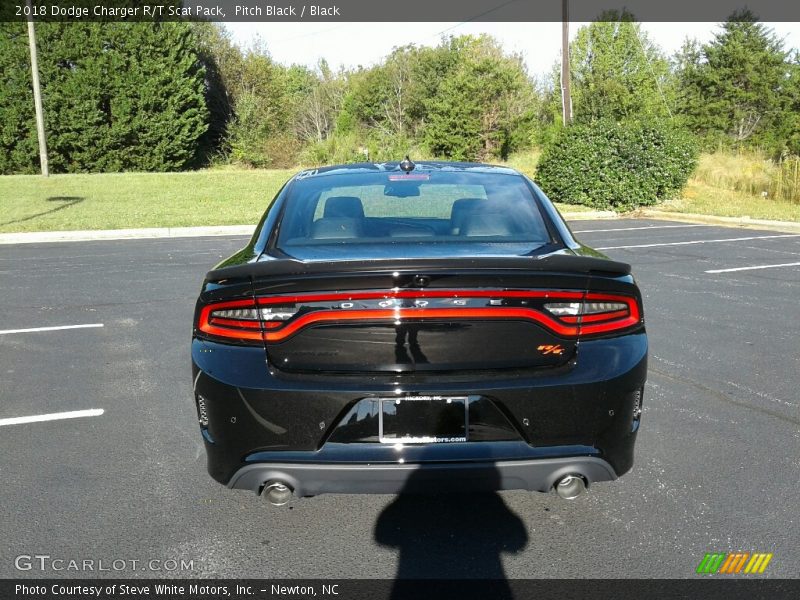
(551, 349)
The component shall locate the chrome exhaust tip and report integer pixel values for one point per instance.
(277, 493)
(570, 487)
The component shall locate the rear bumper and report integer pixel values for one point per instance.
(264, 424)
(313, 479)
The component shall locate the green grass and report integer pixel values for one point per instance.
(741, 184)
(701, 198)
(752, 174)
(225, 196)
(724, 184)
(525, 162)
(133, 200)
(731, 185)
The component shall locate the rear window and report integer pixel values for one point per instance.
(461, 213)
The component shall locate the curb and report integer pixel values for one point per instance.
(743, 222)
(590, 215)
(37, 237)
(41, 237)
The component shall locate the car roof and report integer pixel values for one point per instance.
(428, 165)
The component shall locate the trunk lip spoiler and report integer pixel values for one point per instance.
(570, 263)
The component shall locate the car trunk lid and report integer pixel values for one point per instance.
(422, 315)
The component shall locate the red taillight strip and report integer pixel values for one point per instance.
(413, 314)
(239, 334)
(609, 298)
(605, 327)
(566, 326)
(235, 323)
(606, 316)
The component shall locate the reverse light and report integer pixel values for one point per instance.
(278, 313)
(273, 313)
(563, 308)
(583, 308)
(248, 314)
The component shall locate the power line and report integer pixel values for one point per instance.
(652, 71)
(471, 19)
(309, 34)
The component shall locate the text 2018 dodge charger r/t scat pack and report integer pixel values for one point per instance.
(397, 327)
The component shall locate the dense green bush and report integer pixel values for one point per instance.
(338, 149)
(619, 166)
(117, 97)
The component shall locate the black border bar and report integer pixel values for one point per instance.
(705, 587)
(395, 11)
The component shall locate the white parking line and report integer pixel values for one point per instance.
(741, 239)
(74, 414)
(59, 328)
(639, 228)
(794, 264)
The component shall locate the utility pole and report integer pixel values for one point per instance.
(566, 96)
(37, 93)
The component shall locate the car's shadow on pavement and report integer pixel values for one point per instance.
(450, 536)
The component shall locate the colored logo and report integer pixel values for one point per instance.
(734, 562)
(551, 349)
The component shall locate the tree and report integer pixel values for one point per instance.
(259, 91)
(319, 98)
(687, 64)
(463, 99)
(790, 130)
(617, 72)
(156, 101)
(219, 57)
(18, 143)
(380, 98)
(479, 103)
(117, 96)
(734, 89)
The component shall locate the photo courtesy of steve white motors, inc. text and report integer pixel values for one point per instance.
(125, 589)
(169, 589)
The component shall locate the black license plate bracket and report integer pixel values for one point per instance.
(423, 419)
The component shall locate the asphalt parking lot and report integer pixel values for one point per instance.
(718, 456)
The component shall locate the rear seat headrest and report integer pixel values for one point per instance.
(329, 228)
(344, 206)
(461, 208)
(486, 224)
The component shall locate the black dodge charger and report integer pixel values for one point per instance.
(398, 327)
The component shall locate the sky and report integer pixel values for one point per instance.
(353, 44)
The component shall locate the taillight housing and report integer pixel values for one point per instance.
(597, 314)
(566, 313)
(242, 320)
